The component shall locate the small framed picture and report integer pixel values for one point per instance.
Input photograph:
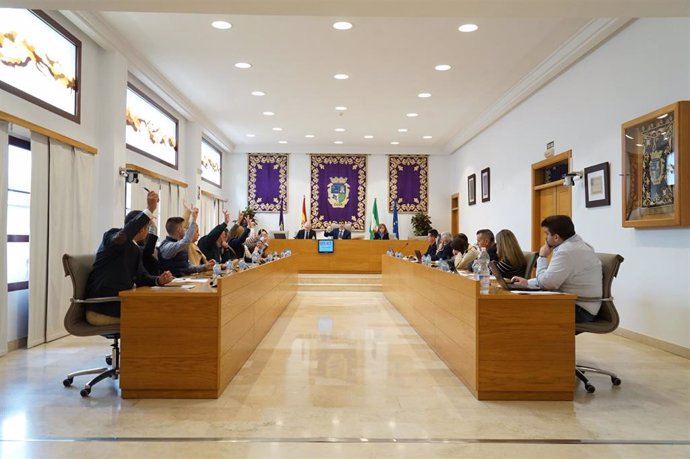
(472, 189)
(597, 186)
(486, 184)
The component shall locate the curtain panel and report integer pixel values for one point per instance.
(267, 182)
(338, 190)
(4, 166)
(408, 183)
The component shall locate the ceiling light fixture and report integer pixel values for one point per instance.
(258, 93)
(395, 143)
(339, 129)
(338, 142)
(277, 129)
(268, 113)
(424, 95)
(412, 115)
(341, 108)
(342, 25)
(310, 136)
(221, 25)
(427, 137)
(402, 130)
(282, 141)
(243, 65)
(442, 67)
(341, 76)
(368, 136)
(250, 135)
(468, 27)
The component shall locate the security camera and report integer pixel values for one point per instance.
(130, 176)
(569, 178)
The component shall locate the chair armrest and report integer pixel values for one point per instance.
(586, 298)
(105, 299)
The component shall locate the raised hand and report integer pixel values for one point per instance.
(152, 201)
(195, 213)
(227, 217)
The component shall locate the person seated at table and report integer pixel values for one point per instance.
(340, 233)
(173, 253)
(211, 245)
(260, 251)
(382, 232)
(444, 250)
(431, 238)
(196, 256)
(118, 265)
(511, 260)
(254, 237)
(237, 235)
(485, 239)
(306, 232)
(459, 246)
(149, 257)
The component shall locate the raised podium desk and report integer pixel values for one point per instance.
(503, 346)
(180, 343)
(351, 256)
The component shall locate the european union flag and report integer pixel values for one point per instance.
(395, 220)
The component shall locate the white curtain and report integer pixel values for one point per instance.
(139, 193)
(206, 212)
(69, 225)
(38, 248)
(169, 205)
(4, 165)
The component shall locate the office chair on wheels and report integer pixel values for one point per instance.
(530, 263)
(79, 267)
(606, 320)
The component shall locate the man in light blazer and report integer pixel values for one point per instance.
(306, 232)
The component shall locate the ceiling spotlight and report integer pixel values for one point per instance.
(341, 76)
(282, 141)
(258, 93)
(339, 129)
(342, 25)
(221, 25)
(243, 65)
(368, 136)
(395, 143)
(250, 135)
(310, 136)
(338, 142)
(268, 113)
(427, 137)
(424, 95)
(402, 130)
(442, 67)
(412, 115)
(341, 108)
(468, 27)
(277, 129)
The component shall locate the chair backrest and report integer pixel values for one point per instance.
(530, 263)
(607, 319)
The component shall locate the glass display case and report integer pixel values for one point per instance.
(656, 175)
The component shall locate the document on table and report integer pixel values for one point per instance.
(534, 292)
(186, 287)
(195, 280)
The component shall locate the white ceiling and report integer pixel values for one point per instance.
(390, 55)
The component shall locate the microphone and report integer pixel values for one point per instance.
(403, 247)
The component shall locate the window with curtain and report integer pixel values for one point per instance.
(18, 214)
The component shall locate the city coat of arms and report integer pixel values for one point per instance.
(338, 192)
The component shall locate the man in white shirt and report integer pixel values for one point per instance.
(574, 268)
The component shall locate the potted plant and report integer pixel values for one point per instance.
(421, 224)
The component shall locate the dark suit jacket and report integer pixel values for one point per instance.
(444, 254)
(311, 235)
(377, 235)
(208, 245)
(149, 259)
(431, 250)
(118, 266)
(335, 233)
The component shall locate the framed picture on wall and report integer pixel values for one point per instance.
(472, 189)
(211, 163)
(597, 186)
(486, 184)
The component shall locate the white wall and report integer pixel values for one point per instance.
(17, 314)
(644, 67)
(235, 187)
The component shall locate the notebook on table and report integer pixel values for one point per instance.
(502, 282)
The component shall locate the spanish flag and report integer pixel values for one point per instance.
(304, 210)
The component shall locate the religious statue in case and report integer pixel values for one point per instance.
(656, 189)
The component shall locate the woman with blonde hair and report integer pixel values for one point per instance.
(511, 261)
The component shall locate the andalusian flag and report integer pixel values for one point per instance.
(374, 221)
(304, 210)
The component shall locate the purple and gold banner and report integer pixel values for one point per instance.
(267, 183)
(408, 183)
(338, 190)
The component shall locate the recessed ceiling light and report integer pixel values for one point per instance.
(250, 135)
(661, 117)
(342, 25)
(339, 129)
(424, 95)
(395, 143)
(222, 25)
(277, 129)
(338, 142)
(258, 93)
(442, 67)
(243, 65)
(368, 136)
(427, 137)
(341, 108)
(282, 141)
(402, 130)
(341, 76)
(412, 115)
(468, 27)
(310, 136)
(268, 113)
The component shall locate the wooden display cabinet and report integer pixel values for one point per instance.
(656, 168)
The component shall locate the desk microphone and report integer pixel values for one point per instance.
(403, 247)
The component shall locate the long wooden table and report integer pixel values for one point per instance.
(180, 343)
(354, 256)
(503, 346)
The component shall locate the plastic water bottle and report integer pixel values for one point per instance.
(216, 270)
(242, 264)
(389, 252)
(483, 271)
(255, 258)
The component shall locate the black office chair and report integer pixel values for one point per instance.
(606, 321)
(79, 267)
(530, 263)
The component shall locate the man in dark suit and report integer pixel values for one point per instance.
(118, 264)
(340, 233)
(306, 232)
(431, 237)
(444, 250)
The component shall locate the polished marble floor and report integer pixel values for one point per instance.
(342, 374)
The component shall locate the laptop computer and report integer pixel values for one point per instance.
(502, 282)
(418, 254)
